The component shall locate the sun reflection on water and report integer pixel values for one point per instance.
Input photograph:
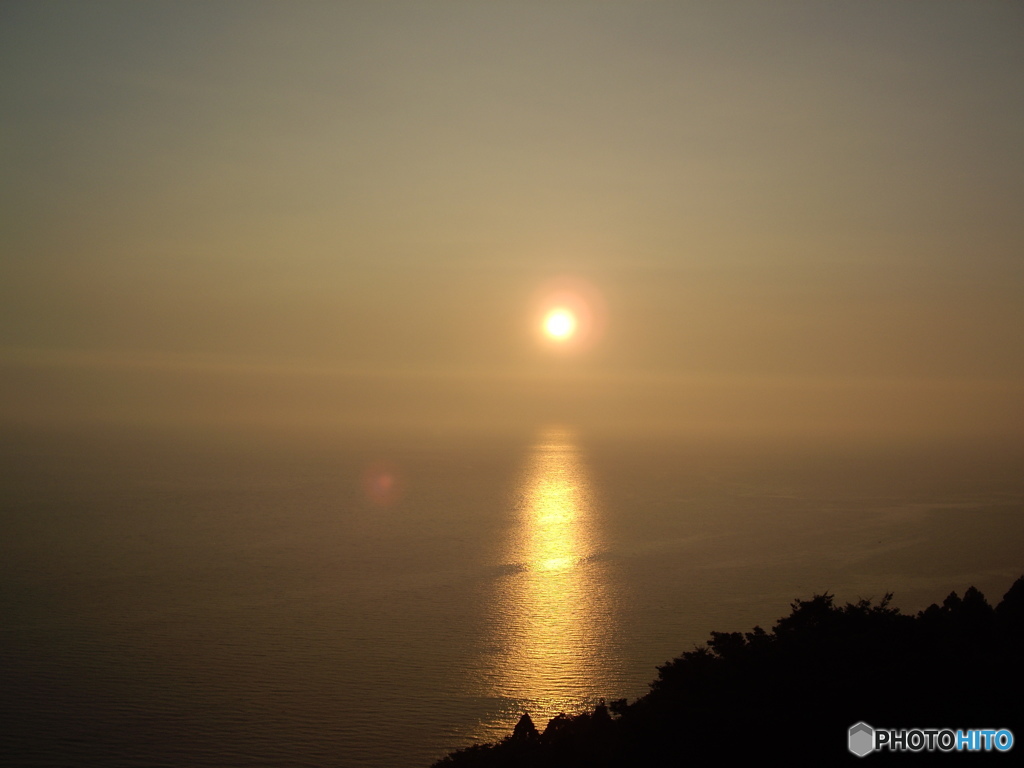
(554, 615)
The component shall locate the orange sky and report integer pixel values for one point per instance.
(795, 216)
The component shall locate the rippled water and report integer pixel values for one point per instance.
(348, 601)
(554, 614)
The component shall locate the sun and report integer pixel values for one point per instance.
(568, 316)
(560, 324)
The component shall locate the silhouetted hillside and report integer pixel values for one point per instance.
(793, 693)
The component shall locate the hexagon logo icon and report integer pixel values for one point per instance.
(862, 739)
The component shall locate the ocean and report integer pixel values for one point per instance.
(232, 598)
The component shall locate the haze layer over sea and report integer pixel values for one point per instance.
(344, 599)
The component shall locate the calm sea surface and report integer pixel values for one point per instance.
(224, 600)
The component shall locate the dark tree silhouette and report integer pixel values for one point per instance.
(793, 692)
(525, 731)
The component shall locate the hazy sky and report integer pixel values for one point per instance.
(795, 215)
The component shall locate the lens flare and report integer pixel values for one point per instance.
(382, 485)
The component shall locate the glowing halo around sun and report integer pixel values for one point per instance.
(570, 314)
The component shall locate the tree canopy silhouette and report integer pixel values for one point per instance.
(796, 690)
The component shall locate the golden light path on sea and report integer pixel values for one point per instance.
(554, 617)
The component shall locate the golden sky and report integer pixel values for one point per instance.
(794, 215)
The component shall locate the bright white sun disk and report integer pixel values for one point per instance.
(560, 324)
